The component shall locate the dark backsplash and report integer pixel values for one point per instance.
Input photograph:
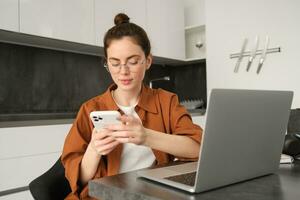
(42, 83)
(187, 81)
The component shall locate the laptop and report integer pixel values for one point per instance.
(243, 139)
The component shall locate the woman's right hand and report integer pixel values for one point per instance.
(102, 141)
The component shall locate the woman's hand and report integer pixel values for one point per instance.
(102, 141)
(130, 131)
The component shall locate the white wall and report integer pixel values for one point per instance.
(228, 22)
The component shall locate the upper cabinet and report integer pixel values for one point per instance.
(71, 20)
(165, 28)
(87, 21)
(105, 11)
(194, 21)
(162, 20)
(9, 15)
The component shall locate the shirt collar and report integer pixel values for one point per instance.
(146, 102)
(109, 101)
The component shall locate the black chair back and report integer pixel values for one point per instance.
(51, 185)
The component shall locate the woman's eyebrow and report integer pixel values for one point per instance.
(117, 59)
(132, 56)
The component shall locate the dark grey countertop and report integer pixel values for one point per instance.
(284, 185)
(9, 124)
(53, 119)
(197, 112)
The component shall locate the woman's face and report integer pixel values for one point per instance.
(127, 63)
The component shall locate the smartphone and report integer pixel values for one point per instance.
(102, 118)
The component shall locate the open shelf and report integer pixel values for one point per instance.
(195, 45)
(194, 27)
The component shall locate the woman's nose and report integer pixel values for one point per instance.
(124, 69)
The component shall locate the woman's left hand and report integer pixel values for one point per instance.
(130, 131)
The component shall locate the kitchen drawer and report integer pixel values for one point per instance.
(25, 195)
(32, 140)
(19, 172)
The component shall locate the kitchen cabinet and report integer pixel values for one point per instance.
(162, 20)
(105, 12)
(194, 21)
(195, 47)
(9, 15)
(71, 20)
(27, 152)
(165, 27)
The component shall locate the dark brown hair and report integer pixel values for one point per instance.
(124, 28)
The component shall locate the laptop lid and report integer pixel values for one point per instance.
(243, 136)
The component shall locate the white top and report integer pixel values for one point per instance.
(134, 156)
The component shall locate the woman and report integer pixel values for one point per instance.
(155, 128)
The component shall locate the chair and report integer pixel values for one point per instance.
(51, 185)
(292, 141)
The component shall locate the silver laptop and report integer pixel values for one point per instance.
(243, 139)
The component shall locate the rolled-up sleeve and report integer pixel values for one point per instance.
(181, 121)
(74, 148)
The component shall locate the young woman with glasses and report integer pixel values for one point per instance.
(156, 129)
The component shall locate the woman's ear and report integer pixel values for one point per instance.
(149, 61)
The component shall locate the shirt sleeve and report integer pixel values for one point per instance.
(74, 148)
(181, 122)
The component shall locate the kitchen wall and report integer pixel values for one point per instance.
(229, 22)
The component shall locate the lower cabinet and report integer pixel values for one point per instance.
(27, 152)
(25, 195)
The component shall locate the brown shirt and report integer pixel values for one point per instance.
(158, 110)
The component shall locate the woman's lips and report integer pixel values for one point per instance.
(125, 81)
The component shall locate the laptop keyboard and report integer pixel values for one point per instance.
(187, 179)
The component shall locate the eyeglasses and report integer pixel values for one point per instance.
(134, 65)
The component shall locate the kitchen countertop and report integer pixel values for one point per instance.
(197, 112)
(284, 184)
(10, 124)
(54, 119)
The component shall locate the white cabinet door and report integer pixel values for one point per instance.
(194, 12)
(9, 15)
(27, 152)
(71, 20)
(194, 20)
(165, 27)
(105, 12)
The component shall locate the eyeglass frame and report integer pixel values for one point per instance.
(120, 65)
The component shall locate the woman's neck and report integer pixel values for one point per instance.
(126, 98)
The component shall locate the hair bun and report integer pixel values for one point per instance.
(121, 18)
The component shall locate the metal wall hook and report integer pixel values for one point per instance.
(258, 52)
(263, 55)
(240, 57)
(252, 54)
